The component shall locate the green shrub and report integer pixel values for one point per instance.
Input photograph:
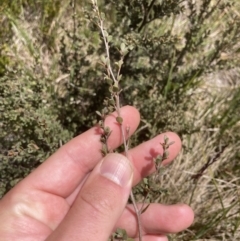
(30, 130)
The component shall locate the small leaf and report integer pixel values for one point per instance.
(100, 123)
(104, 59)
(109, 38)
(115, 88)
(119, 63)
(119, 77)
(165, 155)
(119, 119)
(112, 102)
(131, 47)
(145, 180)
(110, 109)
(105, 33)
(104, 150)
(124, 234)
(166, 139)
(99, 113)
(103, 16)
(158, 161)
(123, 47)
(107, 130)
(103, 139)
(108, 80)
(171, 143)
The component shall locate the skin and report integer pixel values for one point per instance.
(67, 198)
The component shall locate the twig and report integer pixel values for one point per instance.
(146, 13)
(158, 165)
(115, 94)
(209, 162)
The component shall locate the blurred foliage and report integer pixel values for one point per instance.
(51, 93)
(30, 130)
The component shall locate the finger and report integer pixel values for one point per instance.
(157, 219)
(143, 155)
(100, 202)
(64, 170)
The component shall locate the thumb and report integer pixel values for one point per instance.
(100, 202)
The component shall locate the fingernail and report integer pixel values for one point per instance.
(117, 168)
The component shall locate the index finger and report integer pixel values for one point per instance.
(61, 173)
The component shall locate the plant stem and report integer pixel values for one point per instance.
(137, 211)
(117, 103)
(107, 50)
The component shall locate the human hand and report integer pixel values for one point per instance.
(74, 195)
